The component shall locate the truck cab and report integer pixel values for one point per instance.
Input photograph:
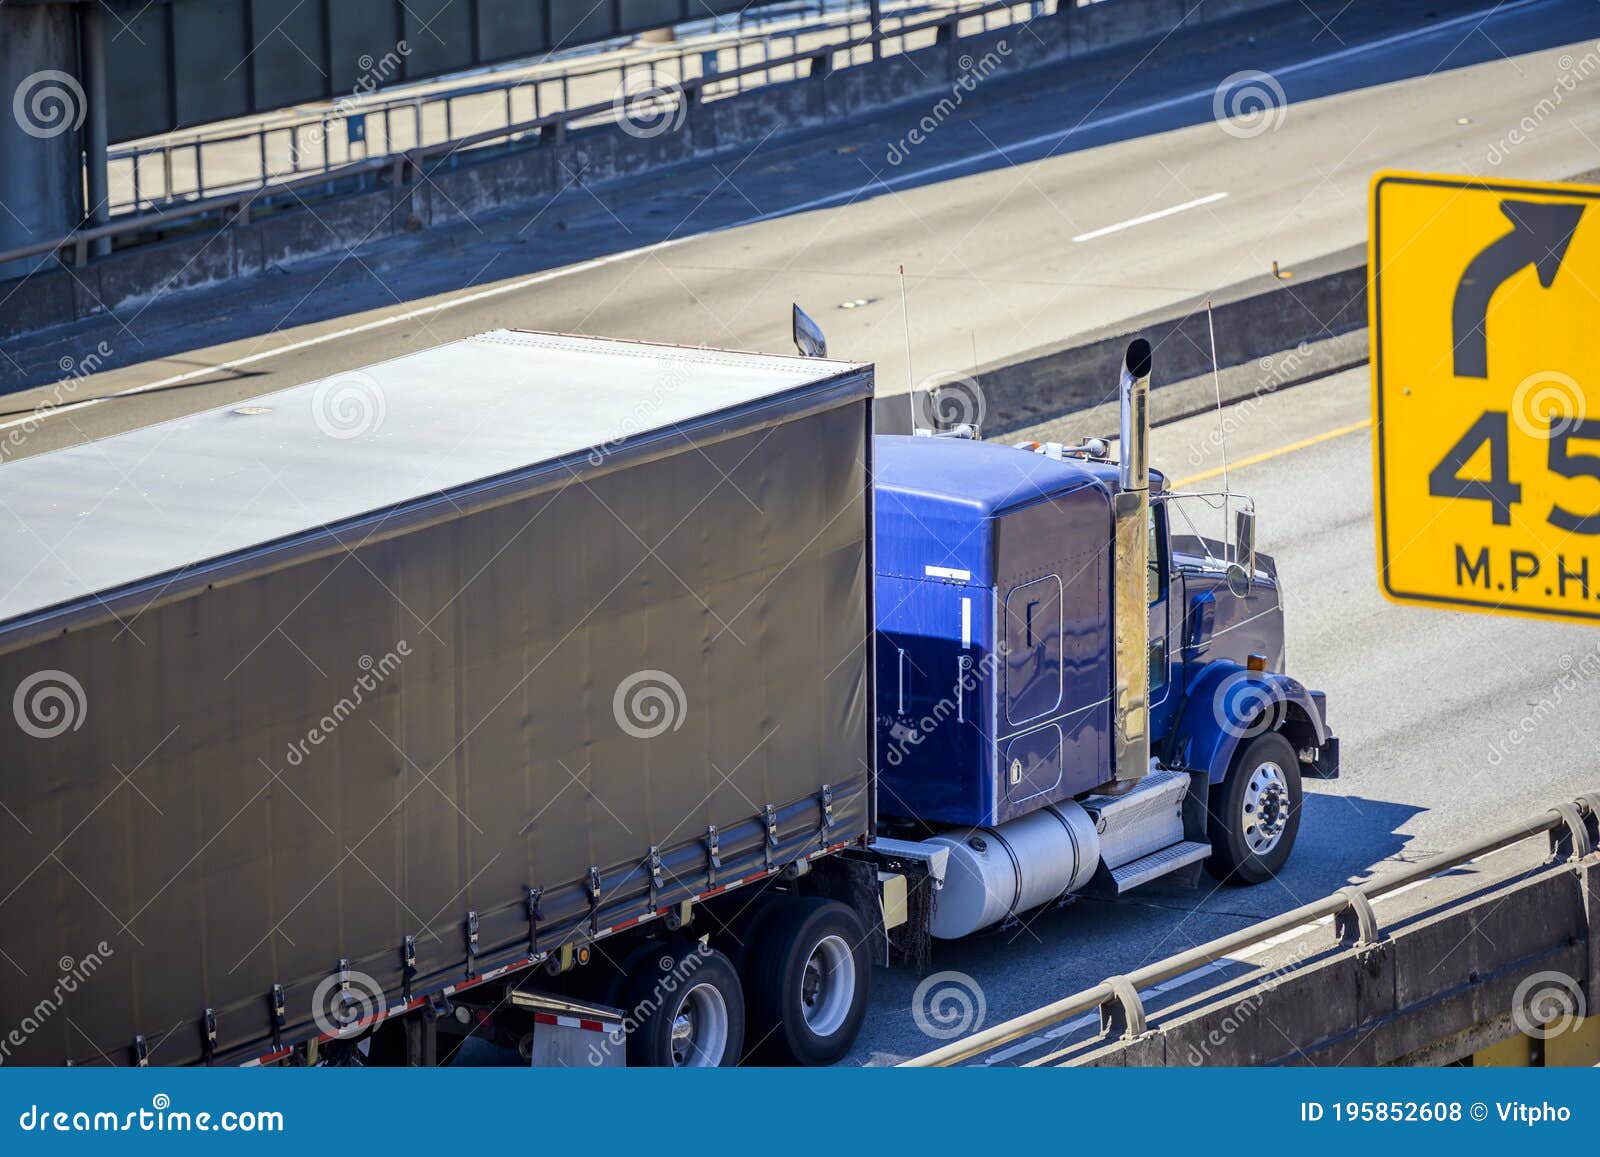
(1011, 730)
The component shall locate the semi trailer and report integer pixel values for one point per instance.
(615, 702)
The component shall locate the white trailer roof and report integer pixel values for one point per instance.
(91, 519)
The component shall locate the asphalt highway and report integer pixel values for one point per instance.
(1044, 205)
(1451, 723)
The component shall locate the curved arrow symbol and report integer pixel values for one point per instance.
(1540, 234)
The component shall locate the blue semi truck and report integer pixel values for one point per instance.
(613, 702)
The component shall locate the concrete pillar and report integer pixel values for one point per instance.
(43, 107)
(95, 137)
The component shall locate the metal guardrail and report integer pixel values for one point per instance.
(1354, 921)
(173, 169)
(400, 167)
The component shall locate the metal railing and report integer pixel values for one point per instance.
(686, 84)
(178, 168)
(1350, 909)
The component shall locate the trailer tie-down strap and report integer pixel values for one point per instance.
(713, 856)
(534, 916)
(594, 900)
(653, 862)
(771, 817)
(825, 796)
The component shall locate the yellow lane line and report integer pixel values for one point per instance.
(1267, 455)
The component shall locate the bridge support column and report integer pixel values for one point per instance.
(43, 111)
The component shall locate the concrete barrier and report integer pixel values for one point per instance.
(531, 171)
(1254, 319)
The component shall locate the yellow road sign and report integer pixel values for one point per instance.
(1484, 301)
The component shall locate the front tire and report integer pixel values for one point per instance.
(808, 979)
(689, 1009)
(1255, 812)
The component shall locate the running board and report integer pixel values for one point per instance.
(1117, 881)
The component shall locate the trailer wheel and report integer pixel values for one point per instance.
(807, 981)
(687, 1008)
(1255, 812)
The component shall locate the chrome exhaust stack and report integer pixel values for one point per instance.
(1130, 610)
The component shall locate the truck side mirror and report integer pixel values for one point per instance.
(1242, 571)
(808, 338)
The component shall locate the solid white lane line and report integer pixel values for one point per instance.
(1156, 216)
(802, 207)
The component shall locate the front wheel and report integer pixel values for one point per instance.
(1255, 812)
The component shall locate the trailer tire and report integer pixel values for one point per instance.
(687, 1009)
(1255, 812)
(807, 983)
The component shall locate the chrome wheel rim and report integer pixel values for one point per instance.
(828, 986)
(1266, 808)
(700, 1029)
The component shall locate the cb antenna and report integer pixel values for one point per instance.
(1222, 426)
(905, 320)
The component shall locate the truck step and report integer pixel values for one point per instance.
(1153, 866)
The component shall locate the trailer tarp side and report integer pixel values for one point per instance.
(334, 750)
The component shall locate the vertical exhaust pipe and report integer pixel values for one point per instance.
(1130, 611)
